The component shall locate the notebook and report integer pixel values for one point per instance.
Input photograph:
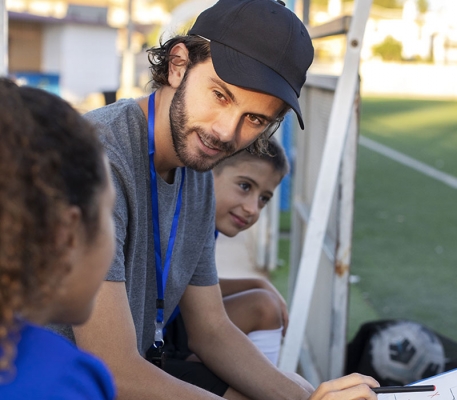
(445, 389)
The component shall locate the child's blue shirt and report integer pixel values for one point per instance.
(48, 366)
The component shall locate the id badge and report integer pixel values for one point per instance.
(156, 356)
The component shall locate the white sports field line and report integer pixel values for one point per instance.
(409, 161)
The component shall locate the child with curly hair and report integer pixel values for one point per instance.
(56, 245)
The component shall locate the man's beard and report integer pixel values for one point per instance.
(179, 133)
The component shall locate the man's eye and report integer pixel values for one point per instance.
(219, 95)
(245, 186)
(254, 119)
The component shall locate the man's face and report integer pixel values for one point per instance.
(210, 119)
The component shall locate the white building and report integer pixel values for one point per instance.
(79, 51)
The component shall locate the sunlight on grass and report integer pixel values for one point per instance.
(423, 129)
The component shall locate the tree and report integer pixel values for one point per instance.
(389, 50)
(422, 5)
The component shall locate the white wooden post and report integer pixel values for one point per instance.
(338, 126)
(3, 38)
(273, 230)
(343, 251)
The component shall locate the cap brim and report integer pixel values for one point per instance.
(240, 70)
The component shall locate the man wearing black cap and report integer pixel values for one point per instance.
(221, 88)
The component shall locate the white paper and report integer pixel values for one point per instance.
(445, 384)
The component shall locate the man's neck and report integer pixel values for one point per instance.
(165, 158)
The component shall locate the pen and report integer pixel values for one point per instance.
(404, 389)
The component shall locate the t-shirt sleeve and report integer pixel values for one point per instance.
(108, 123)
(85, 378)
(120, 216)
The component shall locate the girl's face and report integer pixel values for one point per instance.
(242, 190)
(89, 262)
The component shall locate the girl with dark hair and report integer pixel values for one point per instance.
(56, 244)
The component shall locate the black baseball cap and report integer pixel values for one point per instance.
(259, 45)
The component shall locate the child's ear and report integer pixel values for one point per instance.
(68, 233)
(179, 56)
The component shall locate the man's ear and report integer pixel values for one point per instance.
(179, 56)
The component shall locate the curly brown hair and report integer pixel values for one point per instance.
(50, 157)
(199, 51)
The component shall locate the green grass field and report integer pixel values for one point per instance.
(405, 223)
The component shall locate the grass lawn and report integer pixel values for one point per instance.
(423, 129)
(405, 223)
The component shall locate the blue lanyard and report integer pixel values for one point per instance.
(161, 275)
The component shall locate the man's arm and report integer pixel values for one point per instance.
(224, 349)
(231, 355)
(110, 335)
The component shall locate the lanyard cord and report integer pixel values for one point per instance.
(161, 275)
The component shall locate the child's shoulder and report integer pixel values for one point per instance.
(50, 349)
(47, 360)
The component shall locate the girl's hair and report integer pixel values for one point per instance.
(50, 158)
(199, 51)
(274, 155)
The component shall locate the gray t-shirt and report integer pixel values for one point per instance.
(124, 134)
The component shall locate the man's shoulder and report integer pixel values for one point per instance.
(121, 127)
(200, 187)
(120, 109)
(205, 178)
(124, 114)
